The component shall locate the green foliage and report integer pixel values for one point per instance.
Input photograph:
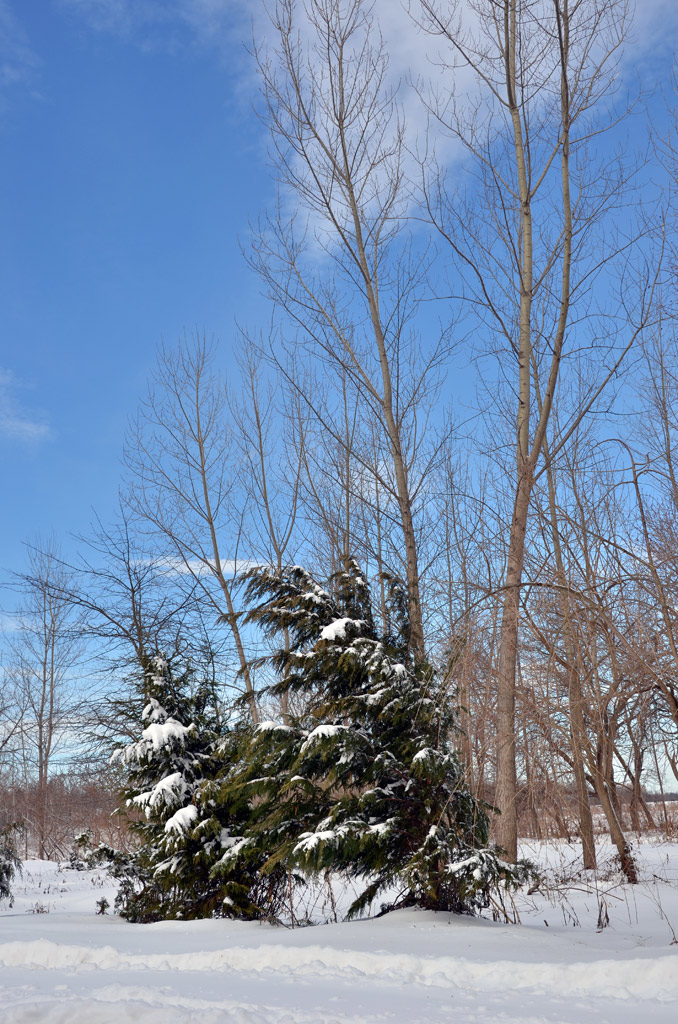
(181, 821)
(9, 862)
(365, 781)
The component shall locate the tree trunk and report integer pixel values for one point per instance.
(627, 863)
(507, 827)
(578, 734)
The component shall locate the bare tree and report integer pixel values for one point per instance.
(344, 270)
(529, 238)
(181, 460)
(270, 435)
(45, 651)
(589, 621)
(11, 715)
(131, 602)
(574, 695)
(270, 439)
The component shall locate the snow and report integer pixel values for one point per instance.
(270, 726)
(309, 840)
(182, 820)
(461, 865)
(233, 848)
(165, 793)
(161, 735)
(337, 629)
(319, 733)
(60, 963)
(382, 828)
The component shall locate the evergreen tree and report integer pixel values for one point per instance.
(365, 781)
(182, 828)
(9, 862)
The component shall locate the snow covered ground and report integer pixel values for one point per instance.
(60, 963)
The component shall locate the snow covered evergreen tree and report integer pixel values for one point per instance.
(182, 828)
(366, 780)
(9, 862)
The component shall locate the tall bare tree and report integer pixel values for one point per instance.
(344, 269)
(45, 650)
(531, 236)
(181, 461)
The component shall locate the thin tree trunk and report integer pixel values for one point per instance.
(575, 695)
(616, 833)
(507, 827)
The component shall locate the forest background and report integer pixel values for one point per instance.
(373, 374)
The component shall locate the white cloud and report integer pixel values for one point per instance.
(18, 62)
(121, 17)
(9, 623)
(210, 18)
(210, 22)
(655, 25)
(222, 26)
(168, 24)
(16, 421)
(197, 567)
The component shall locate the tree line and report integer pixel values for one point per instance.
(519, 242)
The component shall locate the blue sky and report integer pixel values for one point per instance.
(130, 166)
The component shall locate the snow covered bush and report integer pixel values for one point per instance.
(9, 862)
(181, 820)
(365, 780)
